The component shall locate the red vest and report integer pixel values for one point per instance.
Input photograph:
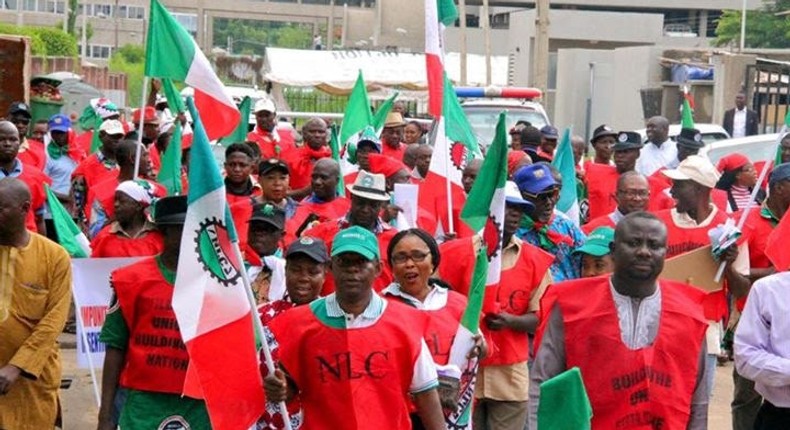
(354, 379)
(107, 244)
(93, 171)
(156, 358)
(269, 147)
(649, 388)
(35, 180)
(328, 211)
(442, 325)
(601, 221)
(757, 228)
(601, 186)
(682, 240)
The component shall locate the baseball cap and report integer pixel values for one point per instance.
(602, 131)
(597, 243)
(270, 164)
(695, 168)
(534, 179)
(19, 107)
(170, 210)
(513, 197)
(780, 173)
(59, 122)
(309, 246)
(628, 140)
(149, 116)
(690, 138)
(550, 132)
(357, 240)
(112, 126)
(266, 104)
(268, 213)
(372, 186)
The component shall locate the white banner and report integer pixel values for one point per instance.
(92, 295)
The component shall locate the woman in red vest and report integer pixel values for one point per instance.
(414, 256)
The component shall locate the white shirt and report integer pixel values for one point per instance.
(277, 282)
(762, 343)
(652, 157)
(638, 317)
(435, 300)
(739, 123)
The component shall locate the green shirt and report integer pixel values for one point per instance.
(146, 410)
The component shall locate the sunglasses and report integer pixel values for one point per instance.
(553, 194)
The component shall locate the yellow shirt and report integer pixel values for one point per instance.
(35, 295)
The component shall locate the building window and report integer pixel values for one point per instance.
(136, 12)
(55, 6)
(97, 51)
(188, 20)
(102, 10)
(8, 4)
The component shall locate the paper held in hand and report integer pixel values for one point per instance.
(697, 268)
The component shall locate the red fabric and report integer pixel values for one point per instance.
(601, 221)
(601, 187)
(156, 358)
(83, 141)
(385, 165)
(731, 162)
(396, 153)
(35, 155)
(659, 195)
(268, 146)
(272, 419)
(156, 159)
(35, 180)
(103, 194)
(776, 249)
(240, 211)
(93, 171)
(682, 240)
(351, 379)
(300, 164)
(328, 211)
(513, 158)
(647, 388)
(426, 221)
(757, 230)
(326, 231)
(719, 198)
(439, 207)
(107, 244)
(149, 115)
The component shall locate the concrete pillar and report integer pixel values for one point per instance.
(730, 73)
(200, 36)
(330, 29)
(703, 23)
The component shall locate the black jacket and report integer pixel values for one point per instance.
(752, 121)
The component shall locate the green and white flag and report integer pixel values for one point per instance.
(687, 111)
(484, 213)
(568, 202)
(70, 236)
(170, 172)
(380, 117)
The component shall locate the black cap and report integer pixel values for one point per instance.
(628, 140)
(19, 108)
(309, 246)
(690, 138)
(270, 164)
(601, 131)
(170, 210)
(268, 213)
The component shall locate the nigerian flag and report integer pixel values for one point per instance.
(70, 236)
(687, 111)
(564, 162)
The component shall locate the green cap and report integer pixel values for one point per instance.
(597, 243)
(356, 239)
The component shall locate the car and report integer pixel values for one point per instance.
(761, 147)
(710, 132)
(483, 115)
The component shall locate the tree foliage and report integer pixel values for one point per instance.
(130, 59)
(45, 41)
(764, 29)
(251, 36)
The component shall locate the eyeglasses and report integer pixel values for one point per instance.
(632, 194)
(415, 256)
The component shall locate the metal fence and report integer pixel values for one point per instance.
(769, 83)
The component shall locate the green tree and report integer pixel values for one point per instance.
(45, 41)
(130, 59)
(764, 29)
(71, 19)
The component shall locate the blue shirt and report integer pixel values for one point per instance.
(15, 171)
(566, 266)
(60, 172)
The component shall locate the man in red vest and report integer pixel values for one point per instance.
(265, 135)
(350, 356)
(145, 354)
(97, 167)
(688, 226)
(302, 159)
(392, 136)
(323, 203)
(31, 151)
(632, 195)
(642, 366)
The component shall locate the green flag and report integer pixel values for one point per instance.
(170, 172)
(174, 101)
(70, 236)
(564, 162)
(240, 133)
(334, 145)
(564, 404)
(95, 141)
(357, 115)
(448, 13)
(380, 117)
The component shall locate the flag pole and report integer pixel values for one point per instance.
(138, 148)
(448, 184)
(86, 344)
(267, 354)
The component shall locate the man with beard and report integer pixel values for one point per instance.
(301, 160)
(380, 342)
(642, 366)
(545, 228)
(265, 134)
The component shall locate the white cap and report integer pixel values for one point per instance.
(695, 168)
(265, 104)
(112, 126)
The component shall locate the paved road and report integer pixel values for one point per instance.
(79, 404)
